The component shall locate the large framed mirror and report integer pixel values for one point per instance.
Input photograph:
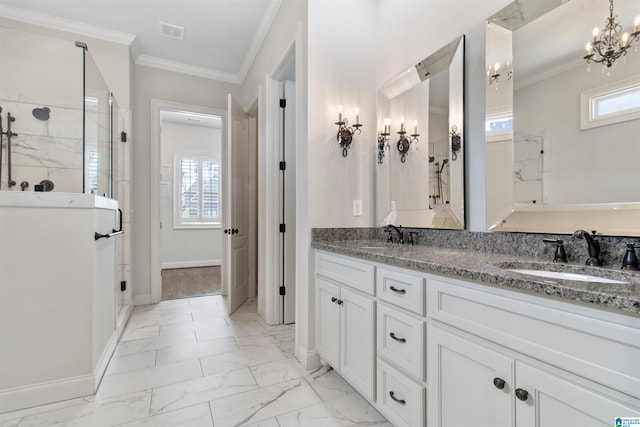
(563, 136)
(420, 162)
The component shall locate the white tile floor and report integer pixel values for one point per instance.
(187, 363)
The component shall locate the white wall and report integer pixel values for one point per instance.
(151, 83)
(186, 247)
(342, 63)
(581, 166)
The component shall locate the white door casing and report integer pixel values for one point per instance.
(235, 209)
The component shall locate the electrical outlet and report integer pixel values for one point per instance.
(357, 208)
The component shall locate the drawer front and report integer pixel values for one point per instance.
(346, 271)
(402, 289)
(603, 347)
(401, 339)
(400, 399)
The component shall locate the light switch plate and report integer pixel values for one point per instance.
(357, 208)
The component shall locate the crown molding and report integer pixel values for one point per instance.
(67, 25)
(179, 67)
(258, 39)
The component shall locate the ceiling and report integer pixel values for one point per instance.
(220, 39)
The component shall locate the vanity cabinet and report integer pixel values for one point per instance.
(345, 319)
(443, 352)
(481, 384)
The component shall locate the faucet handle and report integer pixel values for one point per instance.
(559, 255)
(412, 237)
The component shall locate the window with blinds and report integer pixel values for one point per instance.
(198, 190)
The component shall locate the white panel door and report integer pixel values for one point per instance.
(468, 384)
(357, 339)
(553, 401)
(235, 220)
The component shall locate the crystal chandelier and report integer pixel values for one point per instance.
(611, 43)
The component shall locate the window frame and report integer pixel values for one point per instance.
(589, 98)
(199, 223)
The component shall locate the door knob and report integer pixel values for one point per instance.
(499, 383)
(522, 394)
(234, 231)
(226, 231)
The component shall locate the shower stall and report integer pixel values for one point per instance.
(62, 117)
(63, 269)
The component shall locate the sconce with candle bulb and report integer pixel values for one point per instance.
(346, 132)
(404, 143)
(383, 140)
(494, 73)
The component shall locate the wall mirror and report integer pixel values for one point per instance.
(420, 162)
(557, 159)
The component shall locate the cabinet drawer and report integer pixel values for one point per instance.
(400, 399)
(404, 290)
(401, 339)
(346, 271)
(603, 347)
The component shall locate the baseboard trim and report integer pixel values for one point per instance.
(105, 357)
(144, 299)
(23, 397)
(308, 359)
(191, 264)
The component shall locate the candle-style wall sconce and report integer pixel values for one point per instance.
(346, 132)
(404, 143)
(383, 140)
(456, 142)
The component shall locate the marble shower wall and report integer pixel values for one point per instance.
(49, 149)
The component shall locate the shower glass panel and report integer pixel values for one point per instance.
(97, 151)
(41, 88)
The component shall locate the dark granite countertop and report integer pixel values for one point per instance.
(492, 269)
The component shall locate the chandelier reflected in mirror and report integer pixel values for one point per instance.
(611, 43)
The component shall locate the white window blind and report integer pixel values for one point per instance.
(198, 183)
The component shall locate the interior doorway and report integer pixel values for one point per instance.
(190, 195)
(183, 222)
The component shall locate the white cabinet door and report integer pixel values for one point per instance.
(468, 384)
(553, 401)
(328, 322)
(357, 341)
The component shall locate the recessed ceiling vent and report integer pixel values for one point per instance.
(171, 31)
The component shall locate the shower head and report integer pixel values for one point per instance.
(41, 113)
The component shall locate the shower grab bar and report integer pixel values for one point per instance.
(114, 232)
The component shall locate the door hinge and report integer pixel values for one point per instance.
(282, 290)
(283, 166)
(123, 285)
(283, 228)
(283, 103)
(123, 136)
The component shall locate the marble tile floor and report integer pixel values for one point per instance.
(187, 362)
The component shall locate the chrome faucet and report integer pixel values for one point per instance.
(593, 246)
(398, 230)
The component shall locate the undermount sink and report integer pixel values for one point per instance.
(565, 276)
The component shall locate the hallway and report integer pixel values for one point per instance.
(188, 363)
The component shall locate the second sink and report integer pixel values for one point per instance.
(566, 276)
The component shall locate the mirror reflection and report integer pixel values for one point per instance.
(562, 134)
(420, 163)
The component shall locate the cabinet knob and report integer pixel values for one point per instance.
(522, 394)
(339, 302)
(334, 299)
(392, 335)
(499, 383)
(400, 401)
(400, 291)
